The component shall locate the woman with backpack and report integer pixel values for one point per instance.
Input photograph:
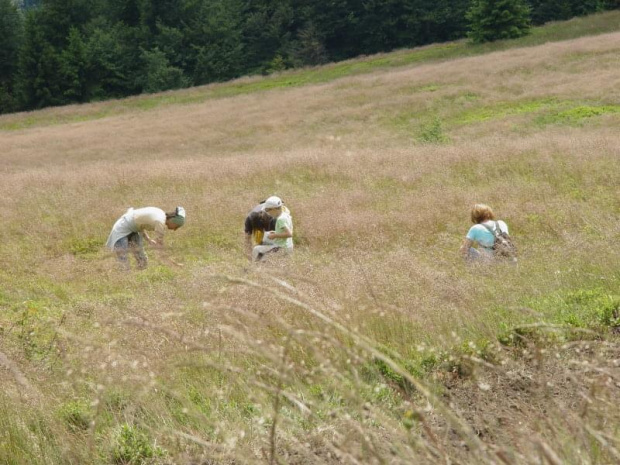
(490, 236)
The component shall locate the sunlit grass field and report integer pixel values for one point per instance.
(374, 342)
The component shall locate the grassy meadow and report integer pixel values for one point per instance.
(374, 342)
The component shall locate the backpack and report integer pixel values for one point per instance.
(503, 247)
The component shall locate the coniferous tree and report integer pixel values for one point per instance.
(171, 41)
(268, 27)
(440, 20)
(58, 17)
(10, 41)
(309, 48)
(543, 11)
(124, 11)
(491, 20)
(385, 24)
(38, 83)
(116, 60)
(338, 25)
(73, 68)
(213, 40)
(158, 74)
(585, 7)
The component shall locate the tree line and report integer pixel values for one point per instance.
(57, 52)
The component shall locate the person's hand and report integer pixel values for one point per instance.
(270, 234)
(152, 242)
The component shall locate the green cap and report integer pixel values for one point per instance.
(179, 218)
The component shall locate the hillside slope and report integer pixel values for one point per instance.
(374, 343)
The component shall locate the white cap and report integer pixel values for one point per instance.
(272, 202)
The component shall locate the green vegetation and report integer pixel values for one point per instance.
(578, 114)
(132, 447)
(502, 110)
(546, 111)
(432, 132)
(491, 20)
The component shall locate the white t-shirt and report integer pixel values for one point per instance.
(150, 219)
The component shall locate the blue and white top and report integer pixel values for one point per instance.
(478, 233)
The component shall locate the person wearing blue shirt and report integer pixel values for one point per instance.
(478, 244)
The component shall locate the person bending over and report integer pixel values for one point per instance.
(130, 229)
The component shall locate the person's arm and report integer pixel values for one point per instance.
(158, 243)
(150, 240)
(464, 250)
(286, 233)
(160, 229)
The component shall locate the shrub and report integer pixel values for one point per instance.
(132, 447)
(491, 20)
(76, 415)
(432, 133)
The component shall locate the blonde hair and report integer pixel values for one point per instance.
(481, 213)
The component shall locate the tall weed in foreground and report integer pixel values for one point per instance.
(313, 390)
(30, 434)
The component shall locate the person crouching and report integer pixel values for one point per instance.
(281, 238)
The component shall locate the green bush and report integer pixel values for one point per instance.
(133, 447)
(159, 74)
(491, 20)
(76, 415)
(432, 133)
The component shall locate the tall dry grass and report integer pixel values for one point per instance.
(374, 343)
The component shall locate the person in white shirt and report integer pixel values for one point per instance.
(130, 229)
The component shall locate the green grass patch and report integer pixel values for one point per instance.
(428, 88)
(504, 109)
(33, 328)
(577, 115)
(566, 315)
(548, 111)
(432, 133)
(132, 445)
(424, 124)
(85, 247)
(76, 415)
(156, 274)
(43, 118)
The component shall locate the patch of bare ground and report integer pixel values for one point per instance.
(566, 396)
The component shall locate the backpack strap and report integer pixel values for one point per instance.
(495, 231)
